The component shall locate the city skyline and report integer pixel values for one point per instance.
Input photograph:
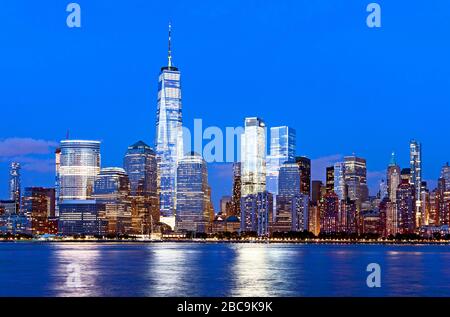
(37, 155)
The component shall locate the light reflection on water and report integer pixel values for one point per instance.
(191, 269)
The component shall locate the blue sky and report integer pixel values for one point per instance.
(313, 65)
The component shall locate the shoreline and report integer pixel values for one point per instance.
(195, 241)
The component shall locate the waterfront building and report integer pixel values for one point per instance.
(140, 165)
(8, 207)
(339, 180)
(236, 197)
(14, 185)
(316, 191)
(169, 134)
(282, 149)
(253, 157)
(225, 205)
(193, 195)
(371, 222)
(38, 204)
(289, 183)
(415, 154)
(406, 208)
(304, 164)
(314, 218)
(300, 213)
(392, 226)
(223, 224)
(348, 216)
(256, 210)
(79, 165)
(80, 217)
(393, 178)
(112, 194)
(329, 179)
(57, 180)
(329, 213)
(445, 174)
(356, 178)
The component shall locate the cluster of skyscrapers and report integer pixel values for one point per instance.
(167, 188)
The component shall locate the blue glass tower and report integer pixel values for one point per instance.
(169, 137)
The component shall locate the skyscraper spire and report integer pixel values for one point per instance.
(169, 56)
(393, 161)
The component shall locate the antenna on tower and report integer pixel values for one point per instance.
(170, 47)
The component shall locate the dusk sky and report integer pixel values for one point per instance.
(312, 65)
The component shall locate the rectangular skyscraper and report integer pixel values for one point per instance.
(169, 136)
(282, 149)
(415, 155)
(256, 202)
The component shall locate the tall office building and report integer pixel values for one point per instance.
(57, 180)
(140, 164)
(225, 205)
(282, 149)
(339, 180)
(38, 204)
(80, 164)
(193, 195)
(415, 155)
(316, 191)
(405, 207)
(393, 179)
(14, 184)
(236, 197)
(304, 164)
(169, 134)
(356, 178)
(445, 174)
(254, 197)
(329, 184)
(253, 157)
(288, 188)
(112, 194)
(329, 213)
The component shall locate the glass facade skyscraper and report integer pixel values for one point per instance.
(140, 164)
(415, 156)
(356, 178)
(445, 175)
(253, 157)
(193, 210)
(282, 149)
(169, 135)
(14, 184)
(112, 194)
(79, 165)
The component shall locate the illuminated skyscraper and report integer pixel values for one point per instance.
(112, 194)
(38, 204)
(256, 202)
(236, 197)
(339, 180)
(415, 155)
(57, 180)
(193, 195)
(169, 135)
(356, 178)
(80, 164)
(140, 165)
(445, 174)
(329, 213)
(253, 157)
(405, 207)
(393, 179)
(14, 184)
(282, 149)
(304, 164)
(330, 179)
